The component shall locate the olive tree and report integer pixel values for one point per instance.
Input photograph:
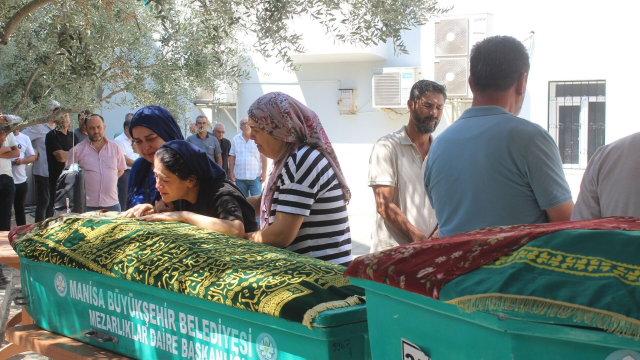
(85, 52)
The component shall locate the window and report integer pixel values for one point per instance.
(577, 119)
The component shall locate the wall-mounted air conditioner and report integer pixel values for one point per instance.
(454, 39)
(391, 86)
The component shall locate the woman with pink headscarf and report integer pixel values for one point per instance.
(303, 207)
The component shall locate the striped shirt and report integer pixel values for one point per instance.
(309, 187)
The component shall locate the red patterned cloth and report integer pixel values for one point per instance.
(426, 267)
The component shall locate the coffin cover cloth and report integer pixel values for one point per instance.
(191, 261)
(584, 273)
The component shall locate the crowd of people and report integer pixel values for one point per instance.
(489, 168)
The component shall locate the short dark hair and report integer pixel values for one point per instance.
(98, 115)
(83, 115)
(497, 63)
(424, 86)
(174, 163)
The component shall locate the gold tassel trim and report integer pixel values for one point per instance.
(609, 321)
(316, 310)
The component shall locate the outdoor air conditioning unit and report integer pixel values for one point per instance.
(391, 86)
(454, 39)
(453, 73)
(224, 96)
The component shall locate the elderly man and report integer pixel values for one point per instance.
(37, 134)
(205, 141)
(124, 141)
(404, 214)
(103, 162)
(225, 146)
(610, 185)
(490, 167)
(247, 167)
(58, 142)
(8, 150)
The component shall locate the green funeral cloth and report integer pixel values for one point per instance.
(584, 277)
(192, 261)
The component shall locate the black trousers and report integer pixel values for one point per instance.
(53, 187)
(42, 197)
(7, 190)
(18, 202)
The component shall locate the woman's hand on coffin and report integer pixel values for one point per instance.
(138, 211)
(162, 206)
(165, 216)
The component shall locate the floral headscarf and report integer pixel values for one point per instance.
(288, 120)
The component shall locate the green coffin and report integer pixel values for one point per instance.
(441, 332)
(144, 322)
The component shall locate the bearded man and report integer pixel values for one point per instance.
(103, 163)
(404, 214)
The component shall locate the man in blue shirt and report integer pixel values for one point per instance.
(490, 167)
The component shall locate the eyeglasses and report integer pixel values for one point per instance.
(218, 131)
(243, 124)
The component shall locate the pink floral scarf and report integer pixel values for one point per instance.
(286, 119)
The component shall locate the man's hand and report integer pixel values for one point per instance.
(263, 177)
(137, 211)
(392, 214)
(61, 155)
(17, 162)
(232, 177)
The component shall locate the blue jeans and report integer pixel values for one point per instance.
(250, 187)
(115, 207)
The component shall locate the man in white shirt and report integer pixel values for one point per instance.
(247, 167)
(124, 141)
(27, 156)
(404, 213)
(8, 151)
(610, 185)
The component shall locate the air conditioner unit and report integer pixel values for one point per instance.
(453, 73)
(391, 86)
(454, 39)
(455, 36)
(224, 96)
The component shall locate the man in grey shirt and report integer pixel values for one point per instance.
(206, 141)
(610, 185)
(81, 130)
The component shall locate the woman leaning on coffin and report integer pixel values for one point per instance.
(303, 205)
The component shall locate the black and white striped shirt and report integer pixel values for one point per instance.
(309, 187)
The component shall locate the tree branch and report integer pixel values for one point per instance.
(25, 91)
(58, 114)
(113, 94)
(17, 17)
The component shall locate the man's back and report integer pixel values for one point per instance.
(491, 168)
(611, 184)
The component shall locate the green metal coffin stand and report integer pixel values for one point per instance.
(442, 332)
(144, 322)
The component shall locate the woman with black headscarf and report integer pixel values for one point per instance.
(195, 186)
(151, 127)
